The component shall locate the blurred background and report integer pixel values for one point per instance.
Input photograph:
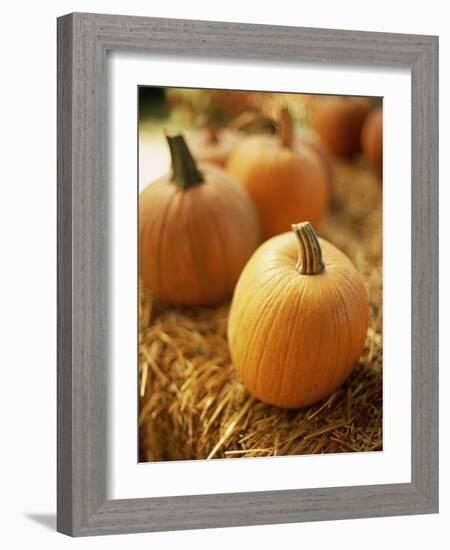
(196, 111)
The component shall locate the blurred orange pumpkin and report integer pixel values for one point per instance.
(213, 144)
(338, 121)
(303, 139)
(372, 139)
(285, 182)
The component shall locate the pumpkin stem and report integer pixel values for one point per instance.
(285, 127)
(252, 121)
(184, 170)
(310, 260)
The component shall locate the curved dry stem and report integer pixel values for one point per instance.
(310, 260)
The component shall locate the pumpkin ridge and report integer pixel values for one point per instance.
(255, 327)
(259, 273)
(250, 283)
(272, 325)
(348, 325)
(267, 301)
(350, 286)
(220, 200)
(341, 346)
(226, 278)
(298, 307)
(195, 253)
(234, 200)
(162, 228)
(315, 368)
(162, 283)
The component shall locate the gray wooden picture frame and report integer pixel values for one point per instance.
(83, 42)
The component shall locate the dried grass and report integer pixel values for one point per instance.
(192, 405)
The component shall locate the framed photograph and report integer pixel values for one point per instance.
(247, 274)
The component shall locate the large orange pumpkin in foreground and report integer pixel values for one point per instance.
(197, 229)
(372, 139)
(284, 182)
(338, 121)
(298, 319)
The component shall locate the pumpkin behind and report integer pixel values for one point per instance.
(213, 144)
(197, 229)
(285, 182)
(338, 121)
(372, 139)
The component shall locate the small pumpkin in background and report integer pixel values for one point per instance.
(197, 229)
(338, 121)
(285, 182)
(222, 103)
(372, 139)
(302, 139)
(211, 144)
(214, 144)
(298, 319)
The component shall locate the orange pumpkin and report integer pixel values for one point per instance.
(232, 103)
(285, 183)
(197, 229)
(213, 144)
(338, 121)
(304, 140)
(298, 319)
(372, 139)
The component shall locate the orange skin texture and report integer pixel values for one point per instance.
(204, 149)
(285, 184)
(338, 122)
(295, 338)
(194, 243)
(372, 139)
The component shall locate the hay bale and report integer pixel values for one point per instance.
(192, 405)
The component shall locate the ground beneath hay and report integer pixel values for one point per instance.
(192, 405)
